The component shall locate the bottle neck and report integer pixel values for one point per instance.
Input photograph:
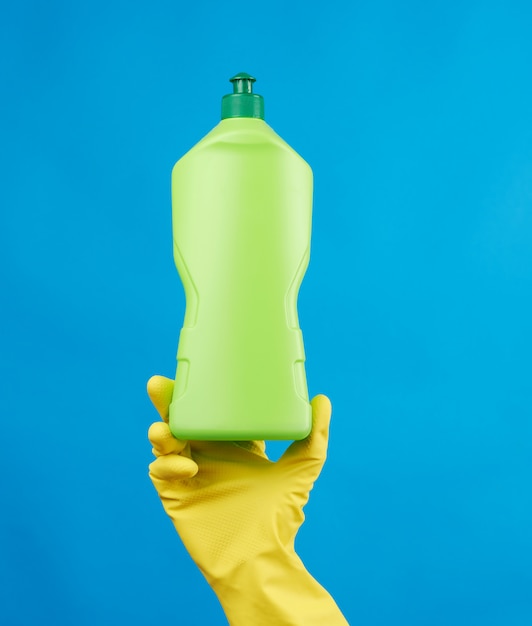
(243, 105)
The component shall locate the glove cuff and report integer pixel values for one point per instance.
(276, 589)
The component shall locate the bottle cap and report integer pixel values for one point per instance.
(242, 102)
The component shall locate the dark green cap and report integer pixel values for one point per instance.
(242, 102)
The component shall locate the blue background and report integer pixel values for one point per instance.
(416, 308)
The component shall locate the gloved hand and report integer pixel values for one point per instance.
(238, 514)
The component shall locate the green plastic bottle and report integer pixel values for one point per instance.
(241, 208)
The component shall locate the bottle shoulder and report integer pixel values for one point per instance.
(240, 133)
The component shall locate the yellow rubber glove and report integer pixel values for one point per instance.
(238, 514)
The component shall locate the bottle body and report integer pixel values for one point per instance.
(241, 216)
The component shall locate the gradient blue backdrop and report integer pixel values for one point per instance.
(416, 308)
